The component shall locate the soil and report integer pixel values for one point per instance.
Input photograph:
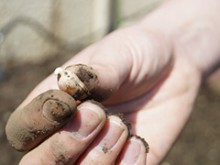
(198, 144)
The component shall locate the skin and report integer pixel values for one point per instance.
(49, 112)
(151, 72)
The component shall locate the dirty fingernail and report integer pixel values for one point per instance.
(134, 149)
(56, 105)
(54, 110)
(113, 132)
(132, 152)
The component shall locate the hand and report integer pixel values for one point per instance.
(149, 76)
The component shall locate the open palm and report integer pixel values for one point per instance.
(141, 76)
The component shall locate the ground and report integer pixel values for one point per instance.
(198, 144)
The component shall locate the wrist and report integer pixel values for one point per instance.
(198, 43)
(194, 29)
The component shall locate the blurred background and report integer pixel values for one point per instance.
(38, 36)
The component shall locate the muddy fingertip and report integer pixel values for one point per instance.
(28, 126)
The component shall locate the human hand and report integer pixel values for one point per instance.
(146, 76)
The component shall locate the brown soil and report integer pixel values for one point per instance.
(199, 143)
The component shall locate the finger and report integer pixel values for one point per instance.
(107, 146)
(31, 124)
(130, 61)
(134, 152)
(65, 146)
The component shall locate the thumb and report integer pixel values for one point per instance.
(128, 62)
(30, 125)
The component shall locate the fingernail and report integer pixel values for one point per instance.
(132, 152)
(112, 134)
(54, 110)
(135, 148)
(87, 119)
